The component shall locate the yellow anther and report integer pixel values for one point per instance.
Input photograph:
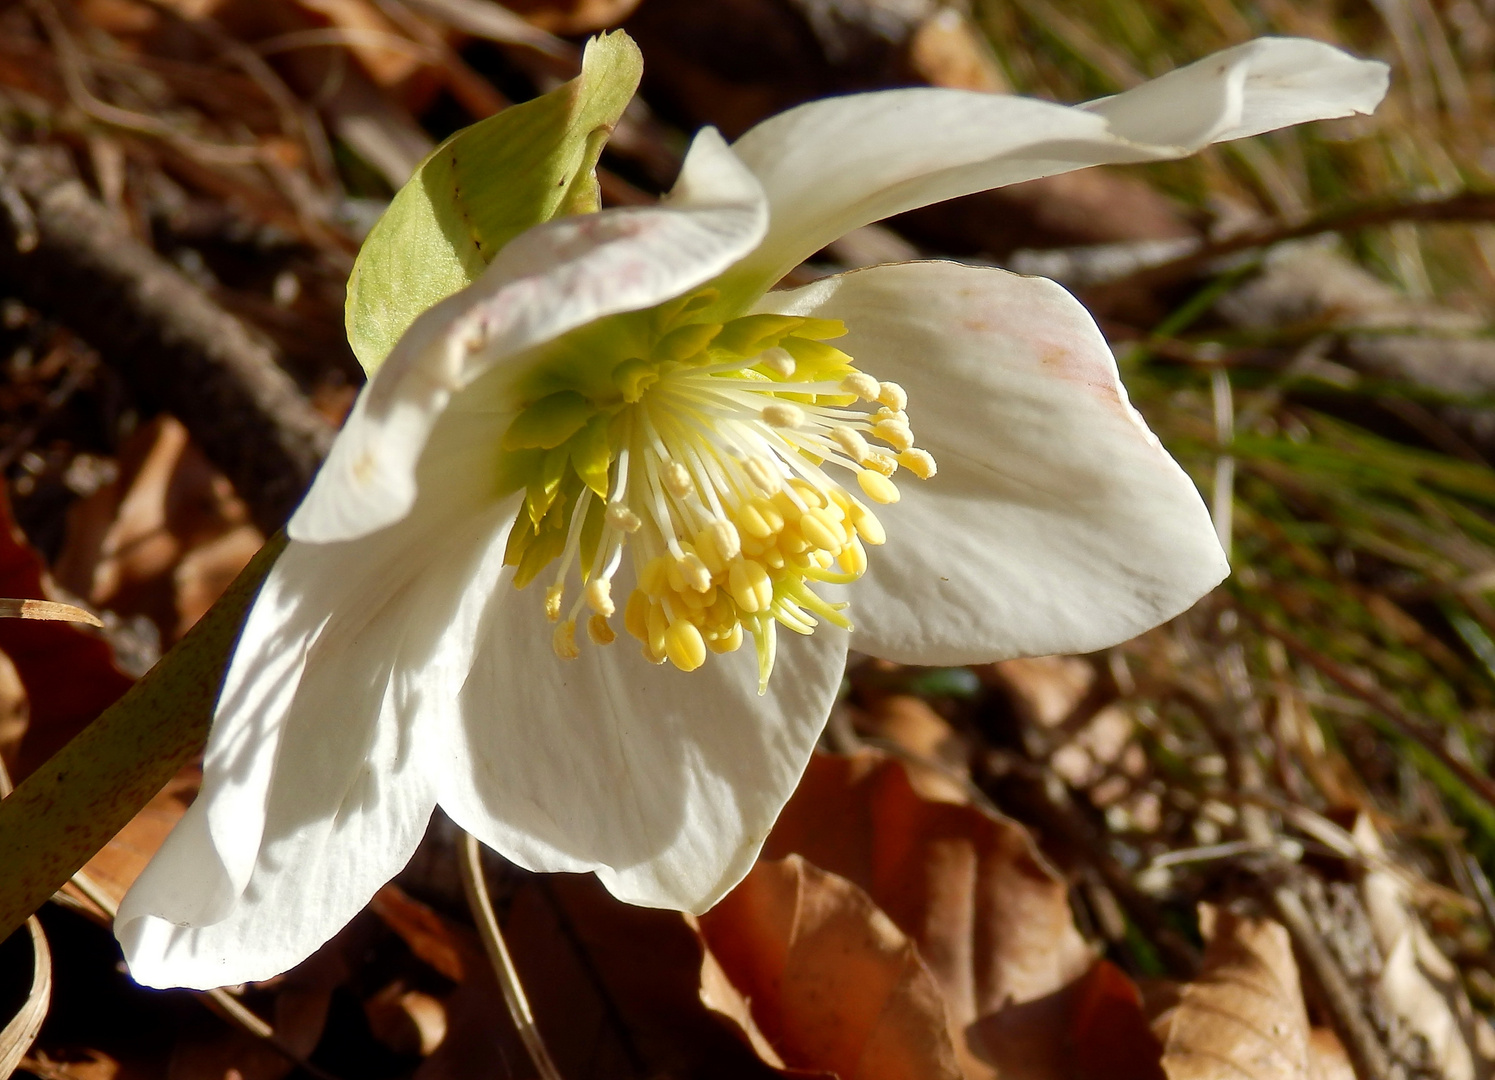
(781, 414)
(674, 576)
(622, 518)
(820, 530)
(808, 492)
(659, 624)
(850, 441)
(892, 395)
(778, 361)
(792, 541)
(676, 479)
(895, 433)
(750, 586)
(728, 642)
(636, 615)
(563, 641)
(600, 631)
(867, 525)
(553, 597)
(862, 385)
(684, 645)
(877, 487)
(653, 578)
(600, 596)
(919, 462)
(785, 504)
(764, 477)
(877, 461)
(694, 572)
(853, 558)
(889, 414)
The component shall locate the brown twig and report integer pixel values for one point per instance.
(178, 349)
(1465, 206)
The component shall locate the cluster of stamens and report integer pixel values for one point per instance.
(711, 460)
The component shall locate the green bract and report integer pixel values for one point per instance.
(481, 188)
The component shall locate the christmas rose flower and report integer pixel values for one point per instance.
(935, 463)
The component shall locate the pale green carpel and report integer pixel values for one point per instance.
(481, 188)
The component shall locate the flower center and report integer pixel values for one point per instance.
(714, 459)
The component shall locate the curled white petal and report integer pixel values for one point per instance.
(830, 166)
(1056, 522)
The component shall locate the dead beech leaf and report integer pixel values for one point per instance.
(617, 990)
(1417, 982)
(68, 672)
(1244, 1016)
(940, 767)
(20, 1030)
(832, 982)
(1092, 1029)
(163, 539)
(573, 16)
(988, 915)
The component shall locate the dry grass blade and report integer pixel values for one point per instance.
(45, 610)
(21, 1031)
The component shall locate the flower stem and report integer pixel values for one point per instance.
(476, 888)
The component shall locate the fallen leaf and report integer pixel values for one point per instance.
(1244, 1016)
(1093, 1029)
(617, 991)
(832, 982)
(163, 539)
(573, 16)
(988, 915)
(1417, 982)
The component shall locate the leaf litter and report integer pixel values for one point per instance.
(1062, 868)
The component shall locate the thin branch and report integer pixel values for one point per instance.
(476, 888)
(1465, 206)
(177, 348)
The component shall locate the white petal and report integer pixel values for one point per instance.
(830, 166)
(665, 783)
(315, 786)
(1056, 522)
(1260, 86)
(545, 283)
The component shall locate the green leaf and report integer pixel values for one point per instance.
(481, 188)
(73, 805)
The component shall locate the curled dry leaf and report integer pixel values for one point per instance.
(1419, 985)
(988, 915)
(20, 1030)
(832, 982)
(1243, 1018)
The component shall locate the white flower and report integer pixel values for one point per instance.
(695, 448)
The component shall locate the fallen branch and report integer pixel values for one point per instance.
(63, 253)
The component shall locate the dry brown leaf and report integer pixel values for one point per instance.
(163, 539)
(832, 982)
(1418, 983)
(1244, 1016)
(617, 991)
(1093, 1029)
(938, 764)
(988, 915)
